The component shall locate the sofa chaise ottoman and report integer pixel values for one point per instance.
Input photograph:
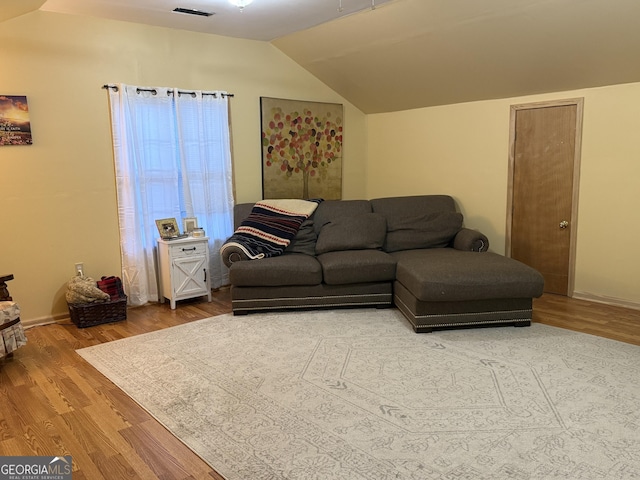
(463, 289)
(445, 275)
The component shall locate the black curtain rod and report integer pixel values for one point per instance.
(169, 92)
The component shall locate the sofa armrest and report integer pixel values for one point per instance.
(232, 253)
(470, 240)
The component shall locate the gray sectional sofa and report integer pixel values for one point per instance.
(412, 252)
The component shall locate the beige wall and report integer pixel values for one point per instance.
(462, 150)
(58, 195)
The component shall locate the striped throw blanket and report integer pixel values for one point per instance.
(269, 228)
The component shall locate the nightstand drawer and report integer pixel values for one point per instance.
(188, 250)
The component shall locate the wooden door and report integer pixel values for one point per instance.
(544, 167)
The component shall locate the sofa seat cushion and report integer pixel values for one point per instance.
(287, 269)
(357, 266)
(446, 274)
(360, 232)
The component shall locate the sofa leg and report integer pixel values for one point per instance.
(523, 323)
(240, 312)
(422, 329)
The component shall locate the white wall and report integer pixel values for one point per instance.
(463, 150)
(58, 195)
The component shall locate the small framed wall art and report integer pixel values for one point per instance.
(15, 127)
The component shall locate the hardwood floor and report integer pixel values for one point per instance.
(617, 323)
(53, 403)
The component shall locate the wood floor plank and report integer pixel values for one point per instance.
(154, 452)
(71, 442)
(111, 429)
(88, 433)
(117, 466)
(52, 402)
(12, 377)
(32, 404)
(12, 447)
(49, 386)
(172, 444)
(616, 323)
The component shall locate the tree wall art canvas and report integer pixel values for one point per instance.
(301, 149)
(15, 128)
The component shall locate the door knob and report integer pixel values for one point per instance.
(564, 224)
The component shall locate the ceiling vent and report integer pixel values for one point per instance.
(190, 11)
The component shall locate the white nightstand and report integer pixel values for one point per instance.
(183, 266)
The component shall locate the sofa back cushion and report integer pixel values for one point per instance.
(359, 232)
(303, 242)
(334, 210)
(305, 239)
(240, 212)
(421, 221)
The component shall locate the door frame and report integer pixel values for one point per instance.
(579, 103)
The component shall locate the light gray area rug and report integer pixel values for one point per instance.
(356, 395)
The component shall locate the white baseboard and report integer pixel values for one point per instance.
(618, 302)
(48, 320)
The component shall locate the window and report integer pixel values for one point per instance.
(172, 159)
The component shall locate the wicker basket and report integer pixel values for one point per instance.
(90, 314)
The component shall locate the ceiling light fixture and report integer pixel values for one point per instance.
(341, 9)
(240, 3)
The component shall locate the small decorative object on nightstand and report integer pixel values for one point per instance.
(183, 266)
(197, 233)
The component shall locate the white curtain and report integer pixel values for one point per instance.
(172, 159)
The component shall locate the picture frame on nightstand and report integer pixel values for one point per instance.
(189, 224)
(168, 228)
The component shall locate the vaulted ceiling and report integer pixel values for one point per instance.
(406, 54)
